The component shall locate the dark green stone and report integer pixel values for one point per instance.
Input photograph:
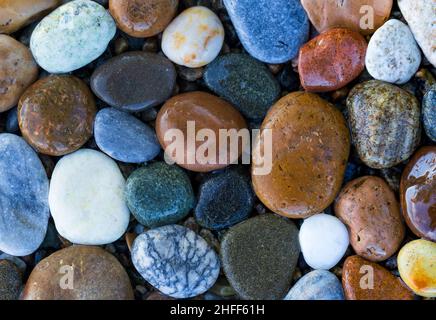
(259, 256)
(245, 82)
(429, 112)
(159, 194)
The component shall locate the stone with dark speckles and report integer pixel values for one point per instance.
(429, 113)
(10, 281)
(176, 261)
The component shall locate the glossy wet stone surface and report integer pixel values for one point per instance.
(270, 31)
(331, 60)
(418, 193)
(317, 285)
(159, 194)
(243, 81)
(125, 138)
(56, 114)
(429, 113)
(134, 81)
(325, 14)
(358, 286)
(15, 14)
(97, 275)
(24, 216)
(10, 281)
(385, 123)
(176, 261)
(143, 18)
(254, 270)
(18, 71)
(308, 159)
(372, 214)
(224, 199)
(207, 111)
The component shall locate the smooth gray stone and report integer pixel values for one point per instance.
(317, 285)
(125, 138)
(176, 261)
(24, 209)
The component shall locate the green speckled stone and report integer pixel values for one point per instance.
(429, 112)
(245, 82)
(385, 123)
(159, 194)
(259, 257)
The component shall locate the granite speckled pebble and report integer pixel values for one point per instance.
(72, 36)
(10, 281)
(24, 191)
(125, 138)
(245, 82)
(259, 256)
(393, 55)
(224, 199)
(317, 285)
(429, 112)
(271, 31)
(159, 194)
(176, 261)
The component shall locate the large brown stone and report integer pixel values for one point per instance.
(372, 214)
(56, 114)
(18, 70)
(15, 14)
(78, 273)
(310, 148)
(418, 193)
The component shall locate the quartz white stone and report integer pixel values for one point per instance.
(194, 38)
(86, 198)
(72, 36)
(323, 240)
(420, 15)
(393, 55)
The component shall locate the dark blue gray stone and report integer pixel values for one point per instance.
(317, 285)
(271, 31)
(245, 82)
(124, 137)
(224, 199)
(12, 121)
(429, 113)
(24, 209)
(176, 261)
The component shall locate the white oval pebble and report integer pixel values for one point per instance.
(86, 198)
(393, 55)
(72, 36)
(323, 240)
(194, 38)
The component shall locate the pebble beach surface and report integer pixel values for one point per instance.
(96, 187)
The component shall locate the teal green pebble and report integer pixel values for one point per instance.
(159, 194)
(245, 82)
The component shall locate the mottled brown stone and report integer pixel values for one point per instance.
(369, 209)
(15, 14)
(143, 18)
(97, 275)
(418, 193)
(208, 112)
(56, 114)
(310, 148)
(331, 60)
(18, 70)
(356, 280)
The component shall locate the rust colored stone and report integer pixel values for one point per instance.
(369, 209)
(331, 60)
(95, 275)
(357, 276)
(15, 14)
(208, 112)
(18, 70)
(310, 148)
(143, 18)
(418, 193)
(350, 14)
(56, 114)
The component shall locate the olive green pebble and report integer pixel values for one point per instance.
(10, 281)
(159, 194)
